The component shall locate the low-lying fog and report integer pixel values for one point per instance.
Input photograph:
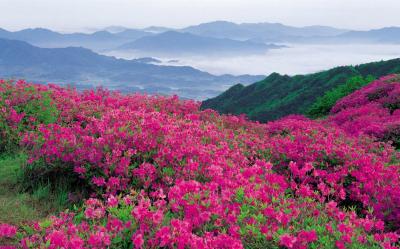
(295, 59)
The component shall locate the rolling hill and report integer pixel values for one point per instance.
(280, 95)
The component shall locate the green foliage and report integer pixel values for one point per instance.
(324, 104)
(43, 109)
(240, 195)
(56, 181)
(280, 95)
(123, 213)
(18, 206)
(40, 107)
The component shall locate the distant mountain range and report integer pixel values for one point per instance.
(279, 33)
(384, 35)
(69, 65)
(219, 36)
(266, 32)
(389, 35)
(173, 42)
(280, 95)
(100, 40)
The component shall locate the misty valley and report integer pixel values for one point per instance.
(197, 62)
(291, 59)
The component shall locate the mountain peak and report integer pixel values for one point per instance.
(37, 30)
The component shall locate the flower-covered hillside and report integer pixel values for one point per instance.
(373, 110)
(156, 172)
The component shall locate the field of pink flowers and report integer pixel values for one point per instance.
(160, 173)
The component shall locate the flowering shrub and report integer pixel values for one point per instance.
(136, 221)
(353, 172)
(22, 107)
(162, 173)
(7, 231)
(372, 110)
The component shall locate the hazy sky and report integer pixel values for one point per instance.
(69, 15)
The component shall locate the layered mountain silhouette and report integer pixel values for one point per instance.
(173, 42)
(220, 36)
(68, 65)
(100, 40)
(384, 35)
(267, 32)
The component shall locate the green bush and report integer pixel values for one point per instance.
(41, 108)
(324, 104)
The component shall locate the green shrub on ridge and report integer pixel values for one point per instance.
(324, 104)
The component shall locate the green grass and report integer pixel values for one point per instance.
(18, 207)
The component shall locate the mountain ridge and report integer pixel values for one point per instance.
(99, 40)
(172, 42)
(66, 65)
(114, 37)
(280, 95)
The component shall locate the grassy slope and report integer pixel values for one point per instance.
(280, 95)
(17, 206)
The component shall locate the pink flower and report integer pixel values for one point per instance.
(340, 244)
(137, 240)
(99, 240)
(7, 230)
(98, 181)
(380, 225)
(368, 225)
(112, 201)
(164, 236)
(287, 240)
(57, 239)
(308, 236)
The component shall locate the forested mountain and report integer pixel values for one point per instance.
(280, 95)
